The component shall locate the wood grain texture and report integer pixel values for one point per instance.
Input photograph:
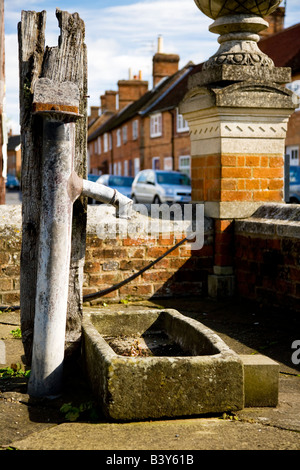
(65, 62)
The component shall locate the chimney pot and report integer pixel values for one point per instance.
(160, 45)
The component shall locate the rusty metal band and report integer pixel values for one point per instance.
(42, 107)
(113, 198)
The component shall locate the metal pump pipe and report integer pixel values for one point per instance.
(107, 195)
(55, 235)
(61, 186)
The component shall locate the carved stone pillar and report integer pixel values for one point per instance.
(238, 109)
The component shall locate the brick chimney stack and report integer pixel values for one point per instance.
(164, 65)
(276, 22)
(108, 101)
(131, 90)
(94, 113)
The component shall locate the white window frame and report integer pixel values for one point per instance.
(156, 125)
(168, 163)
(135, 129)
(99, 145)
(124, 134)
(295, 87)
(105, 142)
(293, 152)
(136, 166)
(182, 124)
(119, 139)
(183, 166)
(125, 167)
(119, 169)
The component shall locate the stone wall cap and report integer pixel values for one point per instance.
(237, 73)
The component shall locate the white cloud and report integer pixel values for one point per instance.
(120, 37)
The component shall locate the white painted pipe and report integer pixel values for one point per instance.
(54, 260)
(107, 195)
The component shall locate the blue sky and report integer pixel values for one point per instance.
(119, 35)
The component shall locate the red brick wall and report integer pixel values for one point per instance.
(183, 272)
(10, 249)
(267, 263)
(238, 178)
(109, 261)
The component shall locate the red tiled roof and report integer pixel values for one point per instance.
(283, 47)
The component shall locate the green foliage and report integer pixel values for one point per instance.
(15, 370)
(17, 333)
(229, 416)
(85, 411)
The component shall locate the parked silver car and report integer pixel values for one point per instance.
(121, 183)
(158, 186)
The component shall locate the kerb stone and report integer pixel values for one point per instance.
(261, 378)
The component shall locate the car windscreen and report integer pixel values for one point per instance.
(120, 181)
(173, 178)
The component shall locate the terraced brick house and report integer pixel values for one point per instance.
(146, 129)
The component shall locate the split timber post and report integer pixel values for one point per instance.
(50, 113)
(65, 62)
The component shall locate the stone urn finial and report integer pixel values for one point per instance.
(238, 22)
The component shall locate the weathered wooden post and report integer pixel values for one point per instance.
(53, 123)
(66, 62)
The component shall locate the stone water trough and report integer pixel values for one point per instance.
(159, 363)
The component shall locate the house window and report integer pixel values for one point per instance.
(155, 163)
(119, 138)
(135, 129)
(185, 165)
(295, 87)
(110, 142)
(119, 168)
(182, 125)
(130, 168)
(99, 145)
(124, 130)
(168, 163)
(293, 152)
(136, 166)
(115, 168)
(105, 142)
(156, 125)
(126, 168)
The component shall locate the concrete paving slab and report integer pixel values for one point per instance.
(187, 434)
(26, 425)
